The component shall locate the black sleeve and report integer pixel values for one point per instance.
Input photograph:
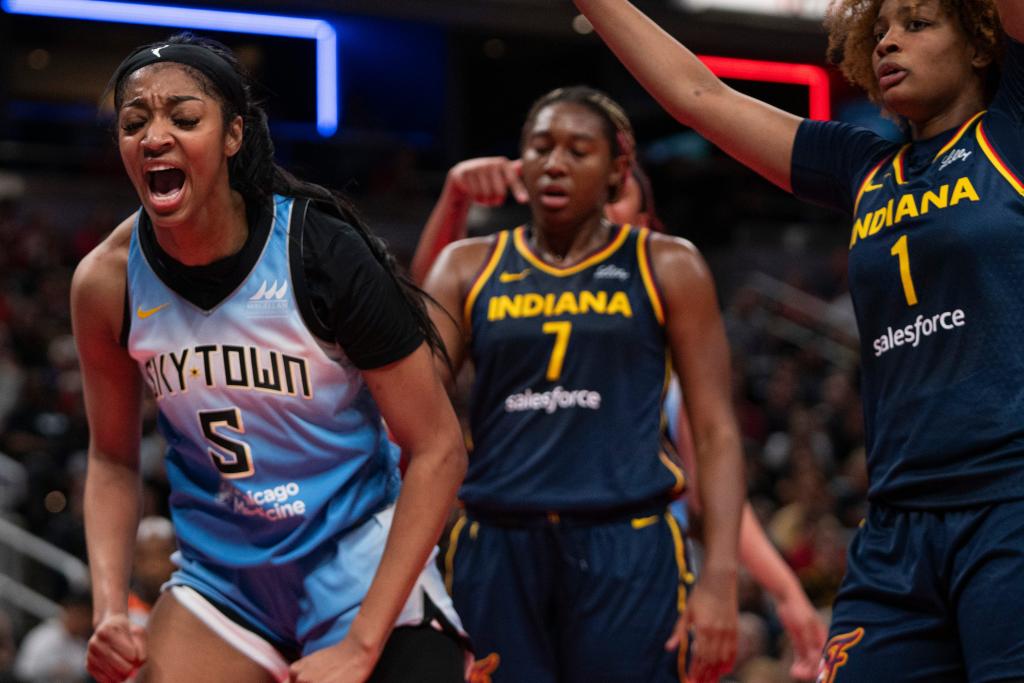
(349, 297)
(830, 159)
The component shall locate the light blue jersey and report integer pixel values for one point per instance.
(275, 445)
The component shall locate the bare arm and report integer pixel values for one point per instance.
(112, 388)
(803, 624)
(429, 431)
(448, 283)
(484, 180)
(1011, 14)
(422, 422)
(447, 223)
(753, 132)
(701, 357)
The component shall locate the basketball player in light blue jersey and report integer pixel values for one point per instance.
(274, 335)
(932, 591)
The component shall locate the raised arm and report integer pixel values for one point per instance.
(1011, 14)
(112, 387)
(755, 133)
(484, 180)
(701, 357)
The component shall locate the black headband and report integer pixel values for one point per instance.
(212, 65)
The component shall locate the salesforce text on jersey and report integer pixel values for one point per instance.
(922, 327)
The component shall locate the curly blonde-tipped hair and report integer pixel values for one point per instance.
(850, 25)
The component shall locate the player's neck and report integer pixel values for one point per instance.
(217, 230)
(952, 116)
(568, 244)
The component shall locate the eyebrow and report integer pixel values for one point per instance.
(574, 136)
(173, 99)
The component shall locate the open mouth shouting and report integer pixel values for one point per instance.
(166, 184)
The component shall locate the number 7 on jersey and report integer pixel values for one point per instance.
(561, 329)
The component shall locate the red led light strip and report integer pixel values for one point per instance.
(814, 77)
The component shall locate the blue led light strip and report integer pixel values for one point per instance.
(214, 20)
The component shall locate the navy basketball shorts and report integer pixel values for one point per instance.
(558, 599)
(931, 597)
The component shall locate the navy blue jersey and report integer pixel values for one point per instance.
(936, 272)
(571, 367)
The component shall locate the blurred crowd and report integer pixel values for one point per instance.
(798, 408)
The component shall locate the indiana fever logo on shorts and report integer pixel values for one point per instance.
(836, 655)
(483, 668)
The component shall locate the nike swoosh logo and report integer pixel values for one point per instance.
(513, 277)
(145, 314)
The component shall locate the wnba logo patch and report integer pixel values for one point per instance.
(836, 656)
(483, 668)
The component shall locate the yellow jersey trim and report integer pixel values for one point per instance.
(595, 258)
(643, 522)
(897, 164)
(667, 461)
(674, 469)
(449, 556)
(685, 577)
(998, 162)
(957, 135)
(481, 279)
(647, 275)
(866, 186)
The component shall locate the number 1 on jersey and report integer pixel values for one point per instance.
(561, 329)
(900, 251)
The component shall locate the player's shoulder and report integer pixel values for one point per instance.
(466, 257)
(675, 253)
(105, 267)
(471, 247)
(98, 288)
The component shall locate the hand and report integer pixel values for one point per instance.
(711, 614)
(346, 662)
(488, 180)
(116, 649)
(807, 632)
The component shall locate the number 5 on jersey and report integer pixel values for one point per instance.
(230, 456)
(561, 329)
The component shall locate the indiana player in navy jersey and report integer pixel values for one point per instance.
(932, 591)
(274, 334)
(566, 565)
(489, 181)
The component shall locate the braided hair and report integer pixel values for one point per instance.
(254, 174)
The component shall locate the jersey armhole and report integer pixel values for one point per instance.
(296, 264)
(643, 258)
(483, 276)
(126, 316)
(997, 161)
